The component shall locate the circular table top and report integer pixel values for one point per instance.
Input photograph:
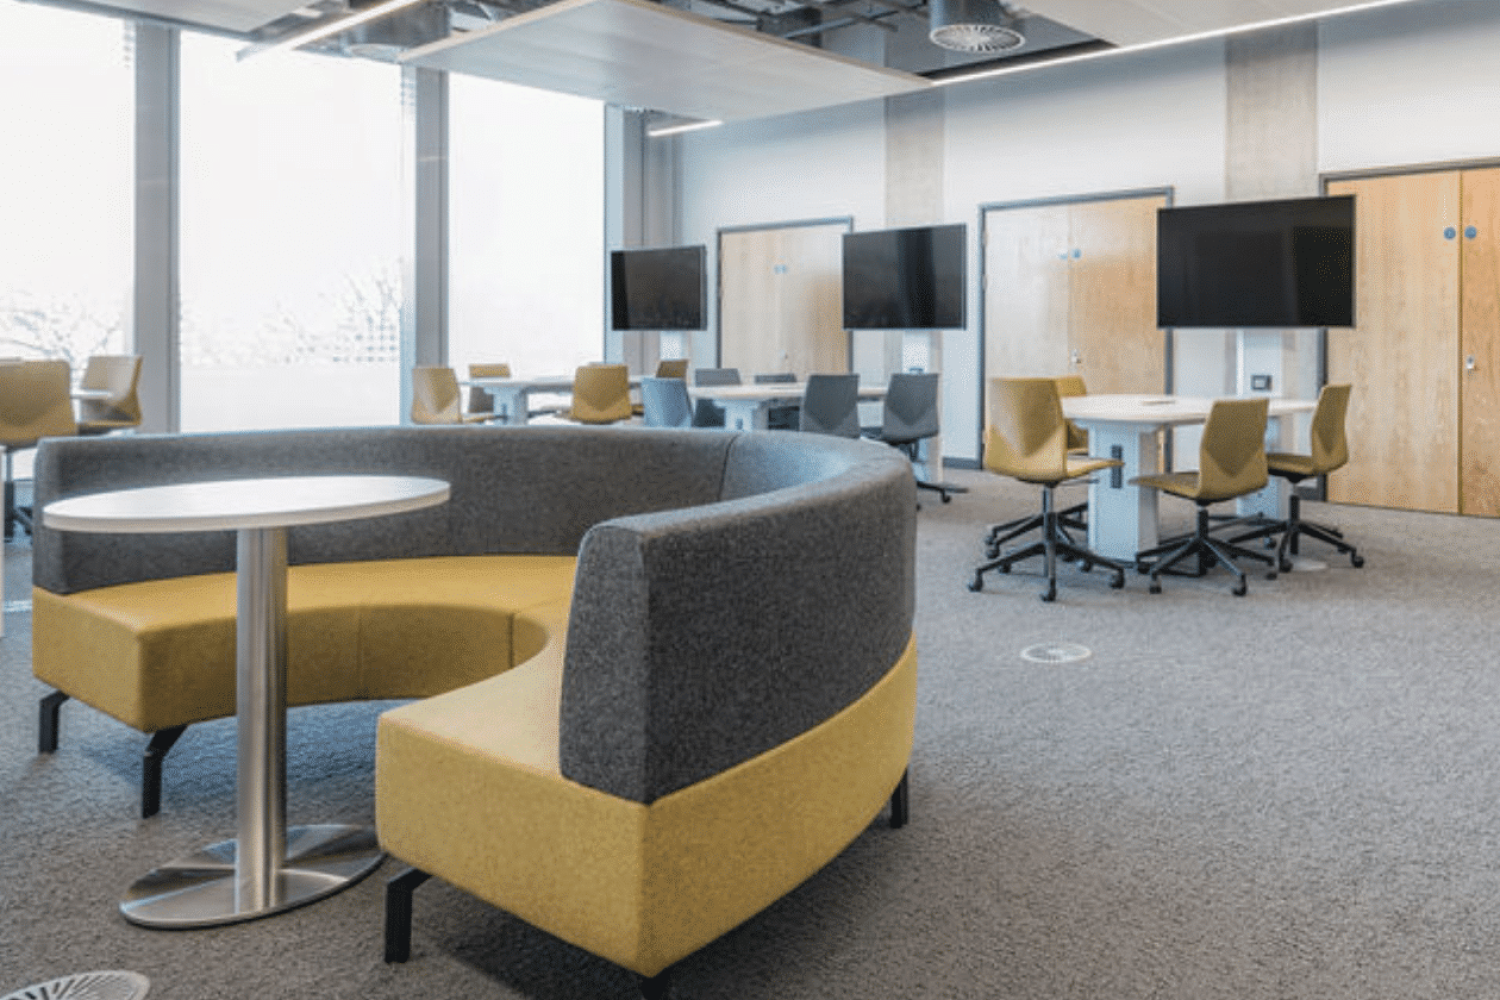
(231, 504)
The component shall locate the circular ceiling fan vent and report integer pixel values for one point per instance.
(973, 26)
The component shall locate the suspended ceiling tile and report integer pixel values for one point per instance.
(229, 15)
(643, 55)
(1136, 22)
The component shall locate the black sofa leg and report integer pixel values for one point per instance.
(161, 741)
(656, 987)
(46, 730)
(901, 802)
(398, 892)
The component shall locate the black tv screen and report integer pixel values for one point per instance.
(659, 289)
(906, 279)
(1256, 264)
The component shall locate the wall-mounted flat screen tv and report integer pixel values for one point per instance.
(1256, 264)
(658, 289)
(906, 279)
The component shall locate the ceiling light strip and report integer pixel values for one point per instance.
(329, 28)
(998, 71)
(656, 132)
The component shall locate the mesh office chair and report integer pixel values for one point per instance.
(1328, 451)
(35, 402)
(830, 405)
(1231, 463)
(601, 395)
(909, 417)
(480, 400)
(435, 397)
(119, 375)
(1026, 438)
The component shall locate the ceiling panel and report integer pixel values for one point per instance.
(1136, 22)
(228, 15)
(642, 55)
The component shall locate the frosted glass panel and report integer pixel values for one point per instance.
(526, 230)
(291, 239)
(65, 183)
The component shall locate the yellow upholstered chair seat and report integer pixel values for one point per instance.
(161, 653)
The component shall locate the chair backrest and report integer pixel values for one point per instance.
(774, 378)
(36, 401)
(1025, 435)
(434, 395)
(1232, 454)
(830, 405)
(911, 407)
(601, 394)
(716, 376)
(672, 368)
(1330, 445)
(481, 401)
(120, 376)
(665, 403)
(1072, 385)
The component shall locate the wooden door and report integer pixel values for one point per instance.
(1026, 252)
(1070, 288)
(1479, 383)
(781, 300)
(1114, 342)
(1402, 354)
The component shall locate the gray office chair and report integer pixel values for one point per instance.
(780, 418)
(707, 413)
(830, 405)
(909, 417)
(665, 403)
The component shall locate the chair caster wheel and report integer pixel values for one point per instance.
(947, 498)
(976, 584)
(1270, 574)
(1142, 568)
(1118, 580)
(1004, 569)
(1155, 587)
(1050, 594)
(1286, 567)
(1356, 560)
(1240, 589)
(992, 552)
(1084, 565)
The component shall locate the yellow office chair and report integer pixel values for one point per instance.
(119, 375)
(1072, 385)
(1026, 438)
(480, 401)
(36, 402)
(601, 395)
(435, 397)
(1329, 450)
(1231, 463)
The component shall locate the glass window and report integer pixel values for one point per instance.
(65, 183)
(526, 227)
(291, 239)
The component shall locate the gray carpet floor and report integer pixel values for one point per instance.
(1287, 795)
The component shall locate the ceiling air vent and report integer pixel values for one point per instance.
(973, 26)
(385, 38)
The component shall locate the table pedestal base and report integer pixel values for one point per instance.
(199, 890)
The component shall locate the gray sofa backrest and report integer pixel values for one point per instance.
(532, 490)
(700, 638)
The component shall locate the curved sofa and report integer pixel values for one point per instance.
(663, 676)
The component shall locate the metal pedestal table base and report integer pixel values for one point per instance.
(199, 890)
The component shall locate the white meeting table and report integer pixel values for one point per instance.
(268, 867)
(1123, 518)
(513, 395)
(747, 407)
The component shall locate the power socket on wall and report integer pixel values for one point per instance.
(1260, 383)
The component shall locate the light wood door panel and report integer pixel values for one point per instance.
(1026, 297)
(1479, 414)
(1402, 355)
(781, 300)
(1114, 342)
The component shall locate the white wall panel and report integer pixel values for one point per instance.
(1409, 85)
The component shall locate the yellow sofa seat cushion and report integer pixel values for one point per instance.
(161, 653)
(640, 885)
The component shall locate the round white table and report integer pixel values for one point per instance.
(268, 867)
